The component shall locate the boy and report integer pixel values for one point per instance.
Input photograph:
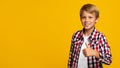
(89, 47)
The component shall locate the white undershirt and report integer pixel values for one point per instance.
(82, 62)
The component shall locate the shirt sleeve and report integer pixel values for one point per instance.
(70, 60)
(105, 53)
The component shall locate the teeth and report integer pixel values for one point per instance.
(86, 24)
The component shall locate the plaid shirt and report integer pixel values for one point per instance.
(97, 42)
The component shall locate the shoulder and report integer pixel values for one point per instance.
(77, 32)
(100, 36)
(76, 35)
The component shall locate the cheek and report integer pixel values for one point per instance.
(82, 20)
(93, 21)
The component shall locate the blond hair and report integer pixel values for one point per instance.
(89, 8)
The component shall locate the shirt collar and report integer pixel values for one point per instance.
(91, 35)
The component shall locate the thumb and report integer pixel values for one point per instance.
(87, 45)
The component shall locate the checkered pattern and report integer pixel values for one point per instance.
(97, 42)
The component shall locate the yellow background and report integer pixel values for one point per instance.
(37, 33)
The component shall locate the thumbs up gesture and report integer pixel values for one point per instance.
(90, 52)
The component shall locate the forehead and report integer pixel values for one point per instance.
(86, 13)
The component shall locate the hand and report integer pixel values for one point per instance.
(90, 52)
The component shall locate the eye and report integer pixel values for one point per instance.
(90, 17)
(83, 17)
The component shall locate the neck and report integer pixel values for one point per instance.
(88, 32)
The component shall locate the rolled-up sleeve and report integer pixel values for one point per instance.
(105, 53)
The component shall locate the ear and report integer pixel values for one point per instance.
(96, 20)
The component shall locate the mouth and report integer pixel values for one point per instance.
(86, 25)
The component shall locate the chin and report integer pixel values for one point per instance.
(86, 28)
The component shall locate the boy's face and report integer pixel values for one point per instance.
(88, 20)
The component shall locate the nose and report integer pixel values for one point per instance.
(86, 19)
